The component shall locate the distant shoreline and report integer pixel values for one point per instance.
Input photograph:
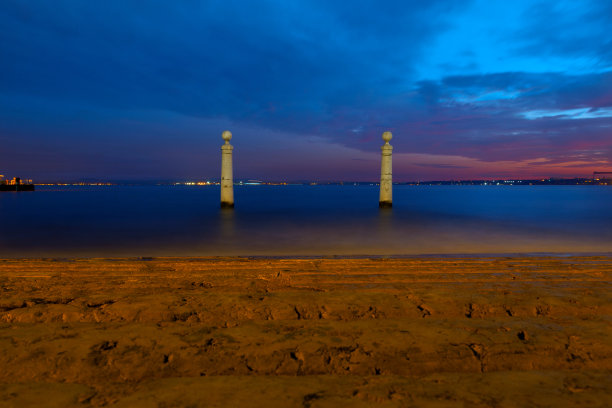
(208, 183)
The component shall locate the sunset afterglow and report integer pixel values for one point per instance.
(117, 90)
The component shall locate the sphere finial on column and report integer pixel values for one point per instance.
(387, 136)
(227, 136)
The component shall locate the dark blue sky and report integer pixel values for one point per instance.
(471, 89)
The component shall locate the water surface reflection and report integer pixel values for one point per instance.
(305, 220)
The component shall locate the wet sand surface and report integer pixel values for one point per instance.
(320, 332)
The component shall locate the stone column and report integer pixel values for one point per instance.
(227, 177)
(386, 200)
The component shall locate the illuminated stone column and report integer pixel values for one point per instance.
(227, 177)
(386, 199)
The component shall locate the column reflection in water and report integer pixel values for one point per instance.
(385, 227)
(227, 227)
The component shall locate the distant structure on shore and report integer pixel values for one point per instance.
(16, 184)
(386, 183)
(227, 176)
(604, 177)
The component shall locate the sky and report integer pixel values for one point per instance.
(142, 90)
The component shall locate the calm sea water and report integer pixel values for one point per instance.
(305, 220)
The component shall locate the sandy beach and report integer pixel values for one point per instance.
(315, 332)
